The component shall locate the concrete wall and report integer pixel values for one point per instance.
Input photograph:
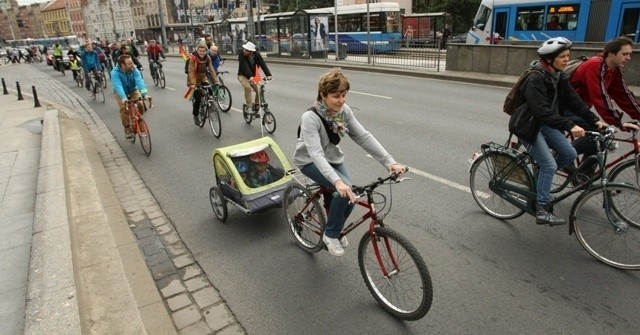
(513, 59)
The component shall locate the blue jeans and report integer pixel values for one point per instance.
(547, 139)
(340, 208)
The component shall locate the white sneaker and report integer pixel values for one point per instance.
(333, 245)
(344, 242)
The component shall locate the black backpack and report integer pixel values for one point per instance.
(333, 137)
(513, 99)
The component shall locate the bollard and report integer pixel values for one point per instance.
(19, 92)
(4, 87)
(35, 97)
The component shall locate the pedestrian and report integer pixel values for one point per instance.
(541, 121)
(445, 36)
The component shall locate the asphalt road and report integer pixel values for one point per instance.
(489, 276)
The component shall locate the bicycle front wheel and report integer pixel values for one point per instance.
(246, 114)
(161, 78)
(626, 172)
(99, 93)
(269, 122)
(145, 136)
(103, 80)
(484, 170)
(154, 75)
(214, 120)
(613, 239)
(202, 113)
(224, 98)
(305, 217)
(399, 279)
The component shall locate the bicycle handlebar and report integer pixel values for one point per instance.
(380, 181)
(604, 134)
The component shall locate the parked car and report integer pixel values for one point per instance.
(459, 38)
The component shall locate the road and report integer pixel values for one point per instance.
(489, 276)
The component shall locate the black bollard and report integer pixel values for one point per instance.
(35, 97)
(4, 87)
(19, 92)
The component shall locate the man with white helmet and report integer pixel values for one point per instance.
(248, 62)
(540, 122)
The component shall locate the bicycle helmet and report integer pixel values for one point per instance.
(242, 167)
(259, 157)
(553, 47)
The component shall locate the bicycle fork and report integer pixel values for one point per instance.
(375, 240)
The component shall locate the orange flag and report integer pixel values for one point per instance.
(183, 52)
(188, 95)
(258, 77)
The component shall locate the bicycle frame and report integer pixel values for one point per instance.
(635, 151)
(523, 159)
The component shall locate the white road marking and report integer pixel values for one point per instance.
(371, 95)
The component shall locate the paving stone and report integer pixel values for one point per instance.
(152, 248)
(234, 329)
(172, 287)
(218, 317)
(196, 283)
(155, 214)
(170, 238)
(189, 272)
(183, 260)
(176, 249)
(179, 301)
(163, 269)
(198, 328)
(206, 297)
(158, 221)
(157, 258)
(186, 316)
(164, 229)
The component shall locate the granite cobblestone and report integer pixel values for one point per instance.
(188, 283)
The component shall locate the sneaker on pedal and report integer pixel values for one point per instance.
(333, 245)
(196, 120)
(127, 132)
(344, 242)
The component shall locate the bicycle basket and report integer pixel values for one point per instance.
(506, 164)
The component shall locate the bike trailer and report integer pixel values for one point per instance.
(251, 175)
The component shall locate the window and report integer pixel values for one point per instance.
(529, 18)
(482, 17)
(562, 17)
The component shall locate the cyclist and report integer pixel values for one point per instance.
(127, 83)
(198, 66)
(57, 57)
(600, 82)
(154, 51)
(102, 56)
(74, 65)
(319, 157)
(215, 57)
(540, 122)
(90, 64)
(248, 61)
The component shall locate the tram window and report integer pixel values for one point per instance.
(482, 17)
(562, 17)
(529, 18)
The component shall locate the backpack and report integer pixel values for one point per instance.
(573, 65)
(333, 137)
(513, 99)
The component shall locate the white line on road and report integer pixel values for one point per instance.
(371, 95)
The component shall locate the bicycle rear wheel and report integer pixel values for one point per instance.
(103, 79)
(247, 114)
(145, 136)
(154, 75)
(626, 172)
(269, 122)
(405, 291)
(484, 170)
(214, 120)
(616, 243)
(305, 217)
(218, 203)
(224, 98)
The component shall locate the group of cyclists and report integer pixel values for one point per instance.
(555, 104)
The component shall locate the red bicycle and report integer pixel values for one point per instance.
(393, 269)
(138, 125)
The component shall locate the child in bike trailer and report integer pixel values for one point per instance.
(319, 157)
(541, 121)
(259, 173)
(198, 67)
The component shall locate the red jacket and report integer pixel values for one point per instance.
(154, 51)
(599, 87)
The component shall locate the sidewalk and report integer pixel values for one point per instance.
(86, 249)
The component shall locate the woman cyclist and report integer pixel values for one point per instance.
(540, 122)
(319, 157)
